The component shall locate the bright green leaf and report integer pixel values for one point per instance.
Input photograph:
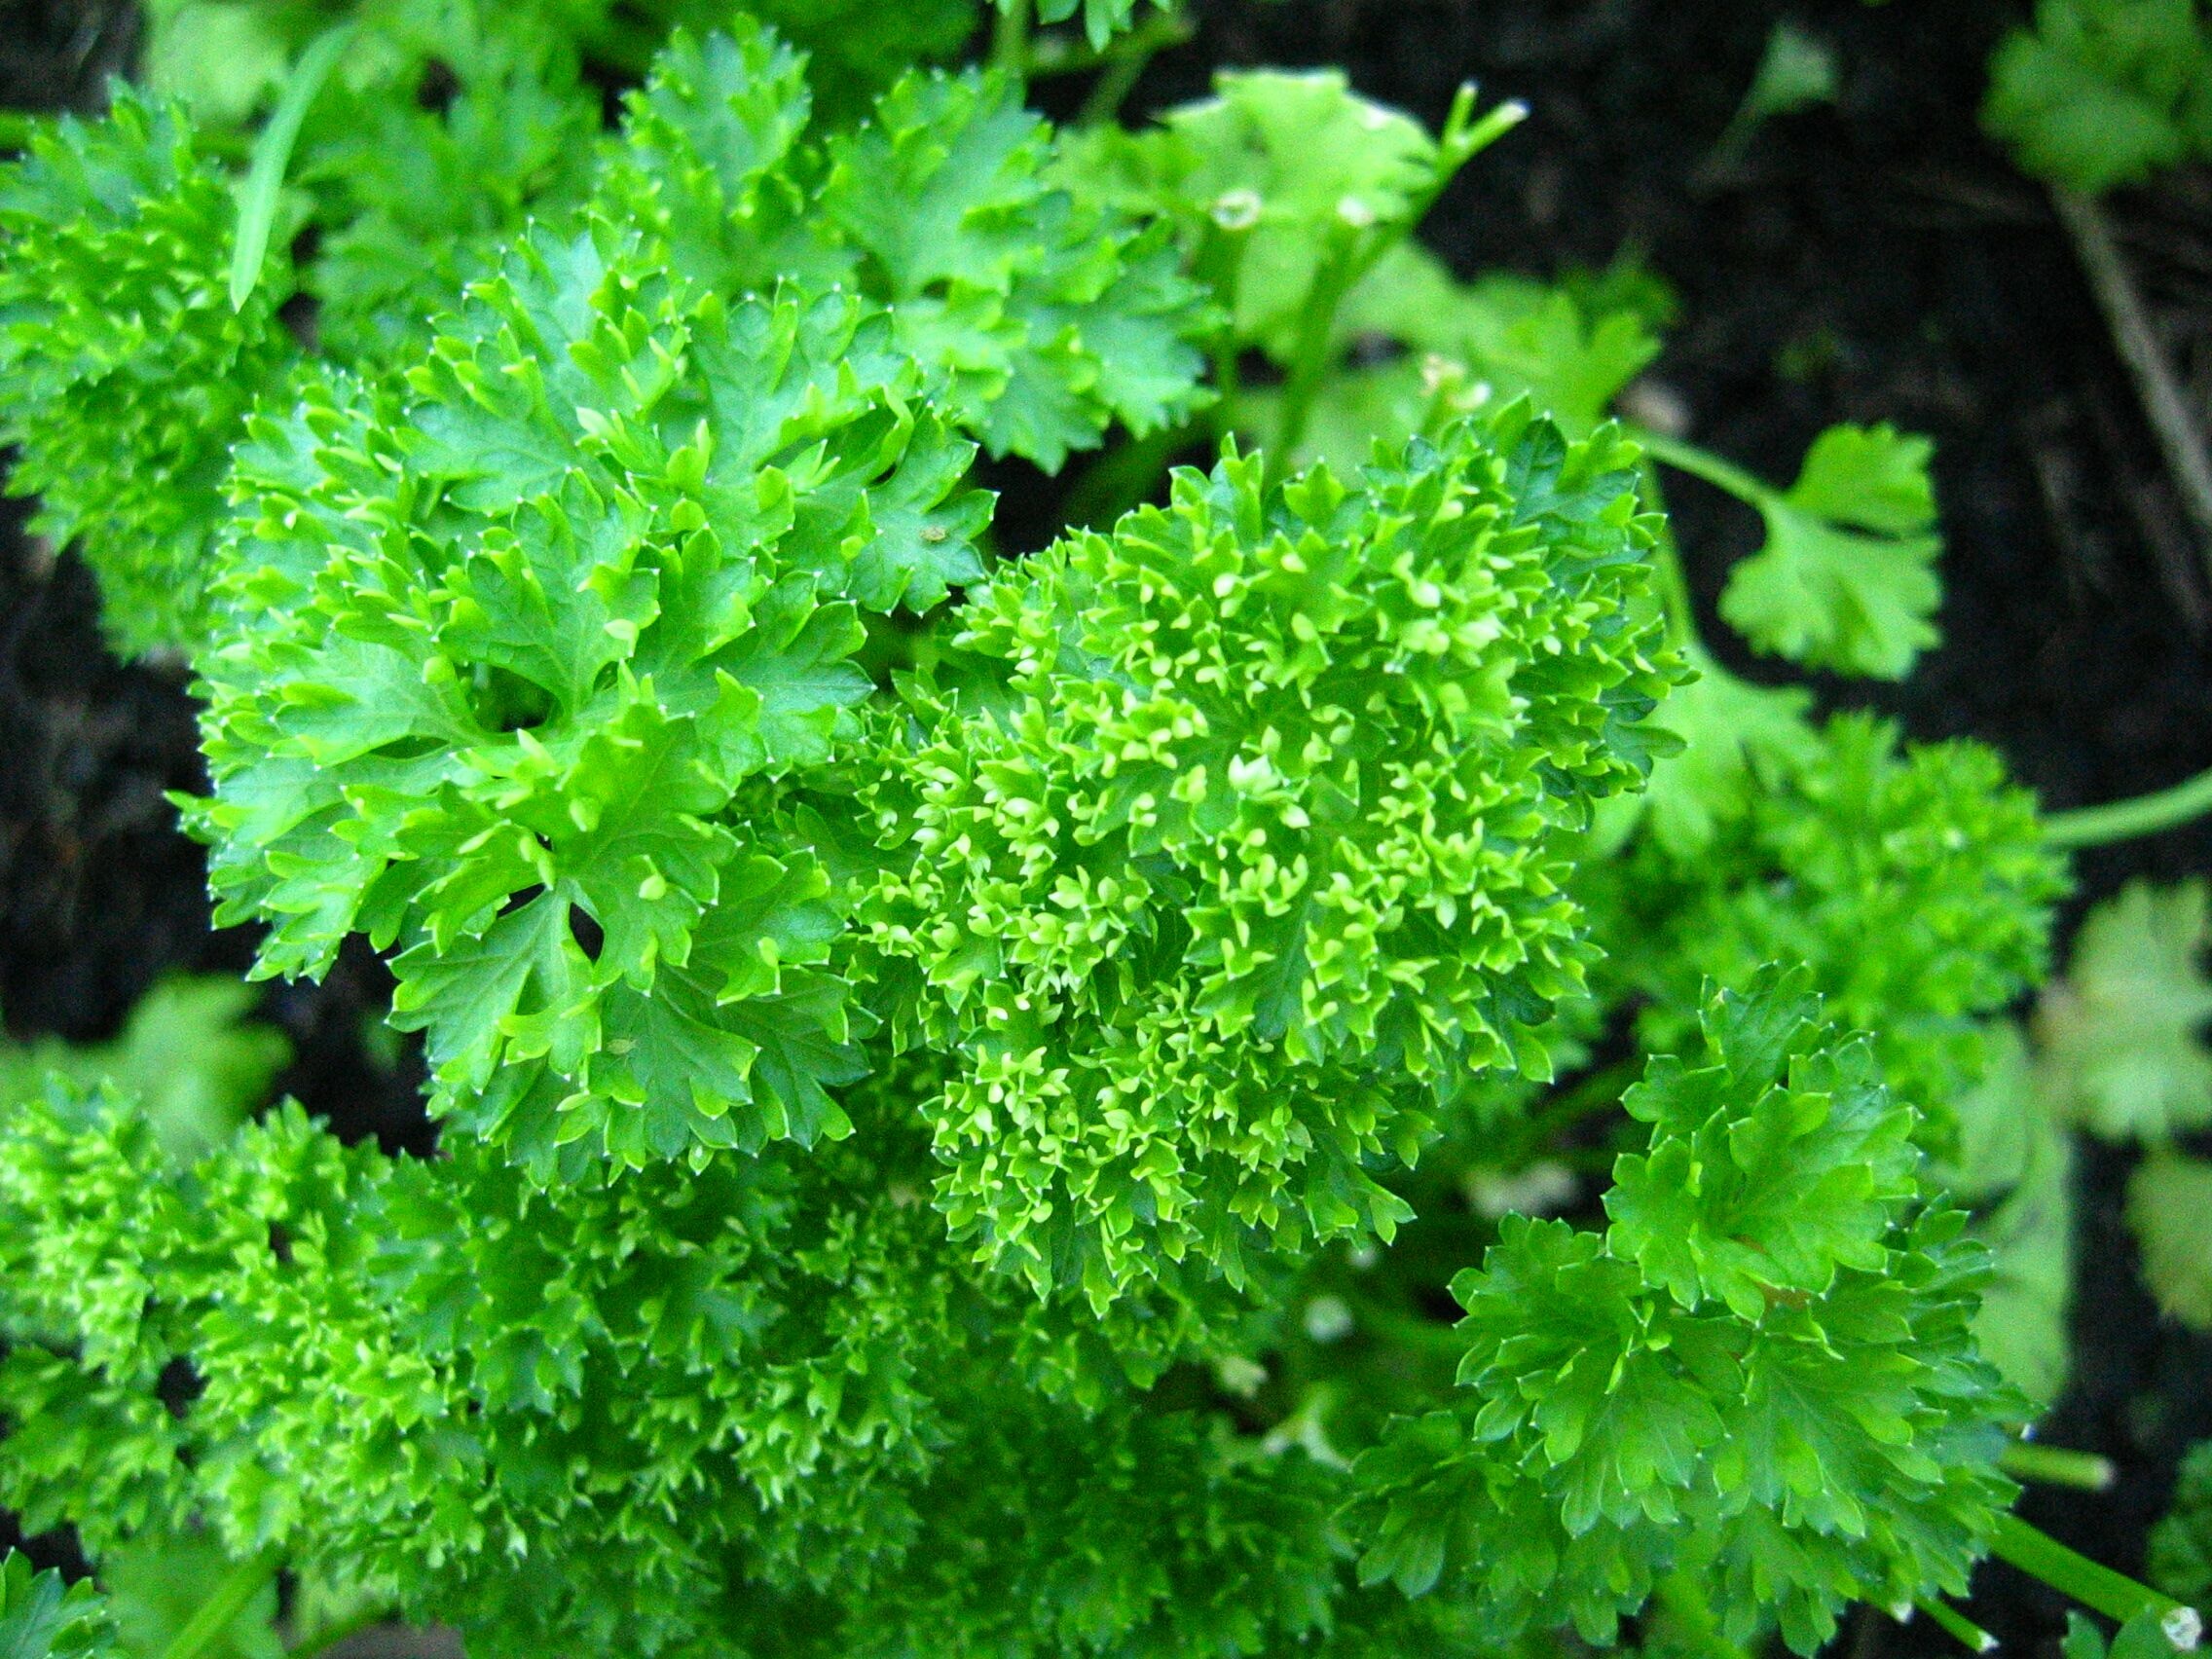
(1846, 579)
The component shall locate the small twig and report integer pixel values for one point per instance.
(1977, 200)
(2180, 438)
(2149, 499)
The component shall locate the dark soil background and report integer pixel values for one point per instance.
(1876, 260)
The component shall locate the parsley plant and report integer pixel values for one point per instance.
(963, 1079)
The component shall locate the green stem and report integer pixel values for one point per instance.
(1667, 566)
(1464, 138)
(1339, 271)
(1010, 41)
(2115, 1595)
(1219, 265)
(1105, 100)
(241, 1585)
(2124, 820)
(1125, 61)
(1072, 55)
(2056, 1465)
(1228, 386)
(1704, 463)
(273, 154)
(1356, 249)
(1970, 1635)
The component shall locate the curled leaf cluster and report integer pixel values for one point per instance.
(1242, 846)
(514, 641)
(128, 369)
(928, 1043)
(1037, 316)
(1760, 1374)
(1857, 837)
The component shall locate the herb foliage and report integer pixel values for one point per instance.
(959, 1075)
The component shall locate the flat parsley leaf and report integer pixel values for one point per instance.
(1846, 579)
(2123, 1034)
(2104, 93)
(2169, 1209)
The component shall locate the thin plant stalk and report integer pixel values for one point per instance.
(1354, 251)
(1122, 68)
(240, 1586)
(1667, 566)
(1958, 1625)
(1703, 463)
(2096, 1587)
(2056, 1465)
(1010, 41)
(2138, 815)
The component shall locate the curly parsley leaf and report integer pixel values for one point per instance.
(493, 703)
(1043, 315)
(1037, 317)
(711, 157)
(1822, 1433)
(1779, 1159)
(126, 386)
(124, 374)
(412, 197)
(1928, 848)
(187, 1052)
(800, 1350)
(1257, 834)
(43, 1618)
(2181, 1544)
